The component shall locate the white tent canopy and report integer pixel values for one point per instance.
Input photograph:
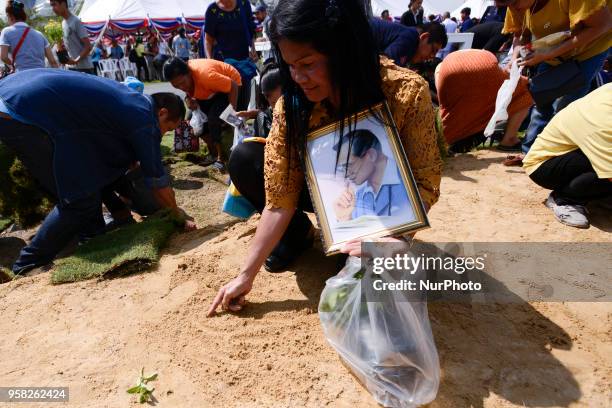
(398, 7)
(101, 10)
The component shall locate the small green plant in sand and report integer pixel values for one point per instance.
(143, 388)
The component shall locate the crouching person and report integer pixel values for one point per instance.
(77, 134)
(573, 157)
(214, 84)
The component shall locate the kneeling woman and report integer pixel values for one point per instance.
(330, 71)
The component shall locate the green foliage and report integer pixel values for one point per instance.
(21, 198)
(442, 146)
(6, 275)
(143, 388)
(335, 299)
(5, 223)
(130, 249)
(53, 31)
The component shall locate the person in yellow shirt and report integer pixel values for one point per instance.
(573, 157)
(590, 23)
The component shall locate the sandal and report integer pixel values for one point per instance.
(514, 148)
(513, 160)
(219, 165)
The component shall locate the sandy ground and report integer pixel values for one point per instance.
(95, 336)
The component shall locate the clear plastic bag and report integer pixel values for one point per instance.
(198, 119)
(387, 345)
(504, 97)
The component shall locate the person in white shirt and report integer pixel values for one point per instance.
(451, 27)
(22, 47)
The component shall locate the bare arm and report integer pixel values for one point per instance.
(271, 228)
(209, 43)
(4, 55)
(598, 24)
(166, 199)
(86, 49)
(233, 95)
(253, 52)
(249, 114)
(51, 57)
(84, 53)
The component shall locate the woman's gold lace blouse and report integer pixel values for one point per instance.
(408, 98)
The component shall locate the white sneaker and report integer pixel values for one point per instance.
(573, 215)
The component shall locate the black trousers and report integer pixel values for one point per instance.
(82, 217)
(572, 179)
(141, 63)
(246, 169)
(214, 107)
(130, 186)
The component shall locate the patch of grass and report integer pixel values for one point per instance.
(6, 275)
(167, 145)
(21, 198)
(5, 223)
(127, 250)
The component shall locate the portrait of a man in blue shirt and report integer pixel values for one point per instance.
(380, 191)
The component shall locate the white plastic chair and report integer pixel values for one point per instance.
(127, 68)
(106, 69)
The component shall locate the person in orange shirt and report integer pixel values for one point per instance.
(214, 84)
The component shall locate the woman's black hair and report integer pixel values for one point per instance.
(270, 79)
(175, 67)
(181, 32)
(338, 29)
(16, 9)
(437, 33)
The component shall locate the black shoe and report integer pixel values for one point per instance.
(286, 253)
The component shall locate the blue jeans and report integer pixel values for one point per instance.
(67, 220)
(540, 116)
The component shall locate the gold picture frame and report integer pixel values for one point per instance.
(373, 194)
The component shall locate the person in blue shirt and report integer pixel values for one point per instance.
(408, 44)
(466, 20)
(97, 54)
(229, 31)
(76, 134)
(181, 45)
(381, 192)
(116, 52)
(494, 14)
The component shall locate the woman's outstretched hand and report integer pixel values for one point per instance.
(231, 296)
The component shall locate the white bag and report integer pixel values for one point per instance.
(198, 119)
(387, 345)
(504, 97)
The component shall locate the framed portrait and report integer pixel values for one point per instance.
(360, 182)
